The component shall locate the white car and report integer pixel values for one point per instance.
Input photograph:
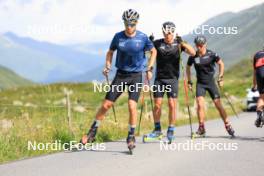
(252, 98)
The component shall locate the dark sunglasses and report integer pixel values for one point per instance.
(199, 45)
(130, 24)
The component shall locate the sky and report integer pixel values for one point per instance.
(92, 21)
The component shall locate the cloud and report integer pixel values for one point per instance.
(67, 21)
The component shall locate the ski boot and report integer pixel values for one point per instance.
(200, 132)
(154, 136)
(89, 137)
(170, 134)
(131, 143)
(260, 119)
(230, 130)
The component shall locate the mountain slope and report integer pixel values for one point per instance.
(249, 39)
(9, 79)
(51, 62)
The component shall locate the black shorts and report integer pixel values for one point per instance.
(260, 84)
(211, 87)
(170, 86)
(260, 80)
(121, 81)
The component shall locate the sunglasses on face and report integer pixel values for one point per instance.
(199, 45)
(130, 24)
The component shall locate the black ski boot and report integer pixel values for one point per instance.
(131, 143)
(201, 131)
(230, 130)
(89, 137)
(260, 119)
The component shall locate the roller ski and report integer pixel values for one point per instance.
(200, 133)
(260, 119)
(170, 134)
(154, 136)
(87, 139)
(131, 143)
(230, 130)
(193, 135)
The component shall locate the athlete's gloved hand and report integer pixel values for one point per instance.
(220, 81)
(254, 89)
(106, 70)
(190, 84)
(151, 37)
(179, 39)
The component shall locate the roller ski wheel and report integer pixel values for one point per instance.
(131, 144)
(154, 136)
(193, 135)
(230, 130)
(170, 135)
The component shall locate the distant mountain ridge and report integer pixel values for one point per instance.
(45, 62)
(9, 79)
(232, 48)
(51, 62)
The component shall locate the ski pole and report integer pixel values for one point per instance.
(141, 108)
(150, 95)
(186, 92)
(194, 97)
(228, 101)
(113, 107)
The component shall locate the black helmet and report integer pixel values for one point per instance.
(130, 15)
(168, 27)
(200, 40)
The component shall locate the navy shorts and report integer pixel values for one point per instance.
(121, 81)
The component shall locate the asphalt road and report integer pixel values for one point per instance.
(241, 156)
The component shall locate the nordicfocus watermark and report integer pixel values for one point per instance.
(58, 145)
(190, 145)
(220, 30)
(100, 87)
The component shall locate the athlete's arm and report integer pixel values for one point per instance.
(254, 80)
(221, 68)
(254, 76)
(220, 80)
(188, 49)
(108, 61)
(152, 59)
(188, 72)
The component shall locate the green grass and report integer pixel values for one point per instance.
(45, 118)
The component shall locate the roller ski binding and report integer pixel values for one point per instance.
(200, 132)
(170, 134)
(156, 135)
(230, 130)
(260, 119)
(131, 143)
